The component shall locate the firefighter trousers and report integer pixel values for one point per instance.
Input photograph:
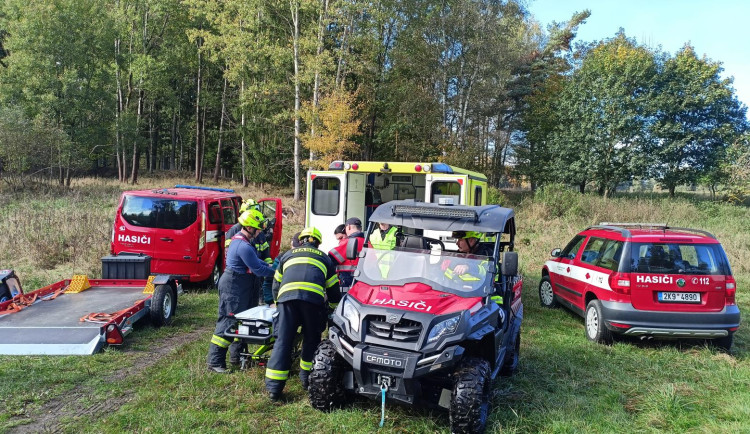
(292, 315)
(234, 297)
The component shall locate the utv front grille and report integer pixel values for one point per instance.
(404, 331)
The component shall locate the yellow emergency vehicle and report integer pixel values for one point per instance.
(355, 188)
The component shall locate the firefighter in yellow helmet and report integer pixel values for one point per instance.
(305, 281)
(242, 267)
(467, 242)
(260, 242)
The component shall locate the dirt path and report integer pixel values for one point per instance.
(73, 404)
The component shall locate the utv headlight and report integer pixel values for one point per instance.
(352, 315)
(443, 328)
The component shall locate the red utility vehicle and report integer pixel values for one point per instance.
(182, 228)
(643, 279)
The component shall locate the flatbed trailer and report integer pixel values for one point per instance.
(56, 322)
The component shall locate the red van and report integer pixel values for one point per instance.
(182, 228)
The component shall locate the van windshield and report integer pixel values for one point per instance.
(161, 213)
(675, 258)
(438, 269)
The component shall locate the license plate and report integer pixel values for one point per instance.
(243, 330)
(679, 297)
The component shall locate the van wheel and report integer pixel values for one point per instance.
(546, 294)
(163, 305)
(595, 329)
(216, 274)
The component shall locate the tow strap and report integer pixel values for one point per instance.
(18, 303)
(103, 318)
(383, 390)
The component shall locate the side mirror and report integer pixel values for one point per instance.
(555, 253)
(352, 247)
(509, 266)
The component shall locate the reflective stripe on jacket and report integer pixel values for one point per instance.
(338, 254)
(305, 273)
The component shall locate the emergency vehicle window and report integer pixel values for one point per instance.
(229, 215)
(477, 196)
(677, 258)
(214, 213)
(610, 257)
(441, 189)
(569, 252)
(592, 251)
(153, 212)
(325, 195)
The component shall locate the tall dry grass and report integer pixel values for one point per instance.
(552, 216)
(50, 232)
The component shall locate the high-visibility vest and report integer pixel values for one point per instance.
(384, 241)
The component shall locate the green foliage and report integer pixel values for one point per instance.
(696, 117)
(495, 196)
(626, 111)
(558, 200)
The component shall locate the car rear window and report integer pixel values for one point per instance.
(154, 212)
(675, 258)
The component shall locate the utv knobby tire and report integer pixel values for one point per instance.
(163, 305)
(327, 378)
(470, 400)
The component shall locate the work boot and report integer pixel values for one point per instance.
(275, 396)
(304, 378)
(218, 369)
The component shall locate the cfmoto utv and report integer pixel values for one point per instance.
(426, 322)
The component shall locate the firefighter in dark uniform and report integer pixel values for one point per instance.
(260, 242)
(304, 282)
(242, 268)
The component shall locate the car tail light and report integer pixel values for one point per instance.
(620, 283)
(730, 291)
(619, 325)
(202, 239)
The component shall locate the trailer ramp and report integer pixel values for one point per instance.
(54, 327)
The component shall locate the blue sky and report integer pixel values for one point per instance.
(718, 29)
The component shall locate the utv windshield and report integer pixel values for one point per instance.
(455, 273)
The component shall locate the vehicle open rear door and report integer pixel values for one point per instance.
(326, 192)
(271, 209)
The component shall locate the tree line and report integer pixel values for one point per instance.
(260, 90)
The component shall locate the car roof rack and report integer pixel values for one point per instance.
(620, 227)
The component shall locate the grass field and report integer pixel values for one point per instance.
(157, 381)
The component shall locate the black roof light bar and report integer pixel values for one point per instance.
(436, 212)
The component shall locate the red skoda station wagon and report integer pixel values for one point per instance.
(646, 280)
